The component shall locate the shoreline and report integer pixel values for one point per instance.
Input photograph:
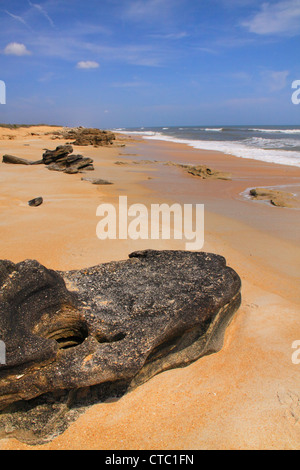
(234, 148)
(242, 397)
(264, 228)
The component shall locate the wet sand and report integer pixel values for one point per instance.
(247, 395)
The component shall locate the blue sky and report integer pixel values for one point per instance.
(122, 63)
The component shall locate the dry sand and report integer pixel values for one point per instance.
(244, 397)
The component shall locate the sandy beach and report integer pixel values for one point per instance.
(247, 395)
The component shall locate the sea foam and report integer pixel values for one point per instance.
(253, 148)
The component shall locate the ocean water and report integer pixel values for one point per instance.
(275, 144)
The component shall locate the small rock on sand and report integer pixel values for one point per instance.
(35, 202)
(96, 181)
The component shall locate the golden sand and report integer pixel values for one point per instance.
(244, 397)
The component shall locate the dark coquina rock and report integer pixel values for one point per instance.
(89, 136)
(35, 202)
(112, 326)
(61, 159)
(124, 320)
(61, 152)
(12, 160)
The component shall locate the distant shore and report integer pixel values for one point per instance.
(271, 144)
(245, 396)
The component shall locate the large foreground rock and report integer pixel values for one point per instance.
(120, 321)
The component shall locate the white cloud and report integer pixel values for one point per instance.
(276, 80)
(282, 17)
(87, 64)
(42, 11)
(149, 10)
(15, 48)
(17, 18)
(180, 35)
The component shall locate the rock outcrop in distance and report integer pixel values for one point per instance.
(202, 171)
(275, 197)
(89, 136)
(61, 159)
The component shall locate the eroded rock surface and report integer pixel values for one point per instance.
(203, 171)
(275, 197)
(35, 202)
(61, 159)
(12, 160)
(116, 323)
(89, 136)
